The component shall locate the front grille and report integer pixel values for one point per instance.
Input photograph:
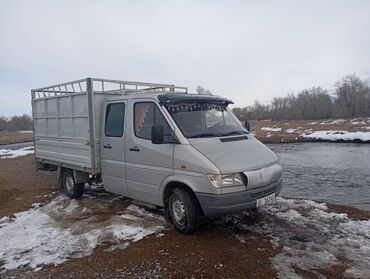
(264, 193)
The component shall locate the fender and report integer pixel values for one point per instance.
(197, 183)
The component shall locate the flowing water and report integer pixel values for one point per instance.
(331, 172)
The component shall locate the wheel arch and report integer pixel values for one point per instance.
(169, 184)
(78, 176)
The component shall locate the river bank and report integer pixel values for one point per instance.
(339, 130)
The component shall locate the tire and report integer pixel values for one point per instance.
(184, 209)
(69, 186)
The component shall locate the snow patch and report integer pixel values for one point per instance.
(311, 238)
(339, 135)
(333, 122)
(290, 131)
(360, 121)
(271, 129)
(64, 228)
(10, 154)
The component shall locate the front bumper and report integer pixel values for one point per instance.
(214, 205)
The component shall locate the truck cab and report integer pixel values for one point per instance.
(185, 152)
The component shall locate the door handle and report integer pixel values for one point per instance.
(134, 149)
(107, 146)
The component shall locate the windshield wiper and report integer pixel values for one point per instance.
(235, 132)
(204, 135)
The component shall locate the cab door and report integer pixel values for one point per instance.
(113, 147)
(148, 164)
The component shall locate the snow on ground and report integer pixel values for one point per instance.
(291, 130)
(271, 129)
(360, 121)
(25, 131)
(312, 238)
(65, 228)
(339, 135)
(354, 121)
(331, 122)
(9, 154)
(309, 236)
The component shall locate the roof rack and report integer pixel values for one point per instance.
(99, 85)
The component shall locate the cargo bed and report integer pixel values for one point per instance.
(67, 120)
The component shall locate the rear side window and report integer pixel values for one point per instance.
(114, 120)
(146, 115)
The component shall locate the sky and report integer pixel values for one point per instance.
(244, 50)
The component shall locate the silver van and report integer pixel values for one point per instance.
(155, 143)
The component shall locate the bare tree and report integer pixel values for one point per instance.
(352, 96)
(16, 123)
(352, 100)
(201, 90)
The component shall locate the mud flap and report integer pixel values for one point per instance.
(80, 177)
(60, 182)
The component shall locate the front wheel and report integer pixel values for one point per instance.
(70, 187)
(184, 209)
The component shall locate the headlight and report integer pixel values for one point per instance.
(226, 180)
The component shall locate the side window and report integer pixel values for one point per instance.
(146, 115)
(114, 120)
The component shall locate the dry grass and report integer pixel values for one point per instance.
(305, 127)
(7, 137)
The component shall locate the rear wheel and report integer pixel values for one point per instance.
(184, 209)
(70, 187)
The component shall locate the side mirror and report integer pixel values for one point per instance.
(247, 125)
(157, 134)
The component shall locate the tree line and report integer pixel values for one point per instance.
(16, 123)
(350, 99)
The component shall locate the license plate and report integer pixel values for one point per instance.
(264, 200)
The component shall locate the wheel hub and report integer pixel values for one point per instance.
(69, 184)
(178, 210)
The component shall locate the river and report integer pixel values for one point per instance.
(331, 172)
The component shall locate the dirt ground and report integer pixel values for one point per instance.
(7, 137)
(206, 254)
(210, 253)
(21, 185)
(213, 252)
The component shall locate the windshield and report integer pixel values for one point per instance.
(197, 120)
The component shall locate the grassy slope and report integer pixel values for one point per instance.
(305, 126)
(7, 137)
